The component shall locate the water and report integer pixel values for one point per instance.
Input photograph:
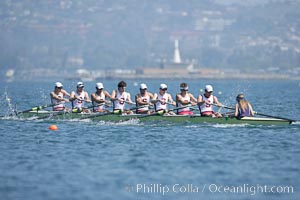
(133, 160)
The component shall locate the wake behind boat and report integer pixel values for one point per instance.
(111, 117)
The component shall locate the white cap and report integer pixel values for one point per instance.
(80, 84)
(143, 86)
(163, 86)
(99, 85)
(209, 88)
(58, 84)
(184, 88)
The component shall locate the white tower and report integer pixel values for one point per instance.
(177, 58)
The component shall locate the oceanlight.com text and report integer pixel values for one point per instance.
(164, 189)
(250, 189)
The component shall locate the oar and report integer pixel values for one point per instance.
(37, 108)
(162, 111)
(74, 110)
(123, 101)
(110, 113)
(261, 114)
(276, 117)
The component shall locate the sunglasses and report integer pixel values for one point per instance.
(164, 89)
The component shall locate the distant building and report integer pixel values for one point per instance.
(176, 62)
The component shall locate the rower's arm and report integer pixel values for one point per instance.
(72, 96)
(113, 96)
(216, 101)
(139, 101)
(236, 111)
(65, 93)
(200, 100)
(107, 95)
(171, 100)
(54, 96)
(179, 99)
(154, 99)
(151, 98)
(251, 109)
(86, 97)
(193, 99)
(129, 99)
(94, 98)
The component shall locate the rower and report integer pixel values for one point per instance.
(183, 99)
(57, 97)
(119, 98)
(78, 98)
(98, 98)
(206, 101)
(243, 108)
(161, 100)
(143, 100)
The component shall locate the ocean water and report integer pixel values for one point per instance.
(134, 160)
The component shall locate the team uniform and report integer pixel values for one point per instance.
(96, 106)
(76, 103)
(206, 109)
(143, 108)
(117, 105)
(58, 104)
(161, 106)
(186, 110)
(245, 113)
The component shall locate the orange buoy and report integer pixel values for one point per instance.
(53, 127)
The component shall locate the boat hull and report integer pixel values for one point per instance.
(169, 118)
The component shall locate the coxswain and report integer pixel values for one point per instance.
(243, 108)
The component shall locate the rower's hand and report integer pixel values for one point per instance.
(65, 100)
(121, 100)
(154, 101)
(173, 103)
(162, 101)
(193, 103)
(207, 102)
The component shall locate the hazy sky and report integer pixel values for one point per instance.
(248, 2)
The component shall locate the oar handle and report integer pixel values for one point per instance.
(37, 108)
(223, 106)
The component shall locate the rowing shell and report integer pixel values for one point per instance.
(43, 114)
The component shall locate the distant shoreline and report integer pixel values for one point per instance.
(225, 77)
